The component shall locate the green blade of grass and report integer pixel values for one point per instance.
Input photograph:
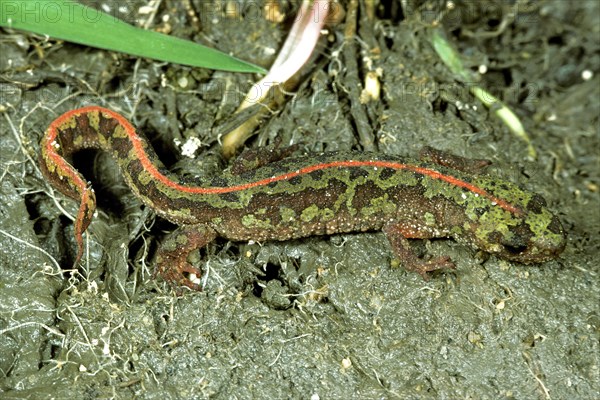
(452, 59)
(74, 22)
(449, 56)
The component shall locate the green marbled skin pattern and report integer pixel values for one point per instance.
(332, 200)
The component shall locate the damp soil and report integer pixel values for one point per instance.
(323, 317)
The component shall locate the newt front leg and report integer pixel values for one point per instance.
(397, 235)
(171, 260)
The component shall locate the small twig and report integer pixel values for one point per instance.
(295, 52)
(363, 127)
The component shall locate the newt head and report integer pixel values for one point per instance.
(534, 235)
(539, 238)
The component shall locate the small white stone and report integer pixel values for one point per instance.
(183, 82)
(346, 363)
(190, 147)
(146, 10)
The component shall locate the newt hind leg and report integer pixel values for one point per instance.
(252, 159)
(468, 165)
(172, 262)
(397, 237)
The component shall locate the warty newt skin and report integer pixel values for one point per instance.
(284, 198)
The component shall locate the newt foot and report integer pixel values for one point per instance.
(423, 267)
(183, 274)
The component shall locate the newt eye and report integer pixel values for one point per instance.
(536, 204)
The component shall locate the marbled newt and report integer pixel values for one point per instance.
(284, 197)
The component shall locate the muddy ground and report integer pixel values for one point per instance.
(331, 317)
